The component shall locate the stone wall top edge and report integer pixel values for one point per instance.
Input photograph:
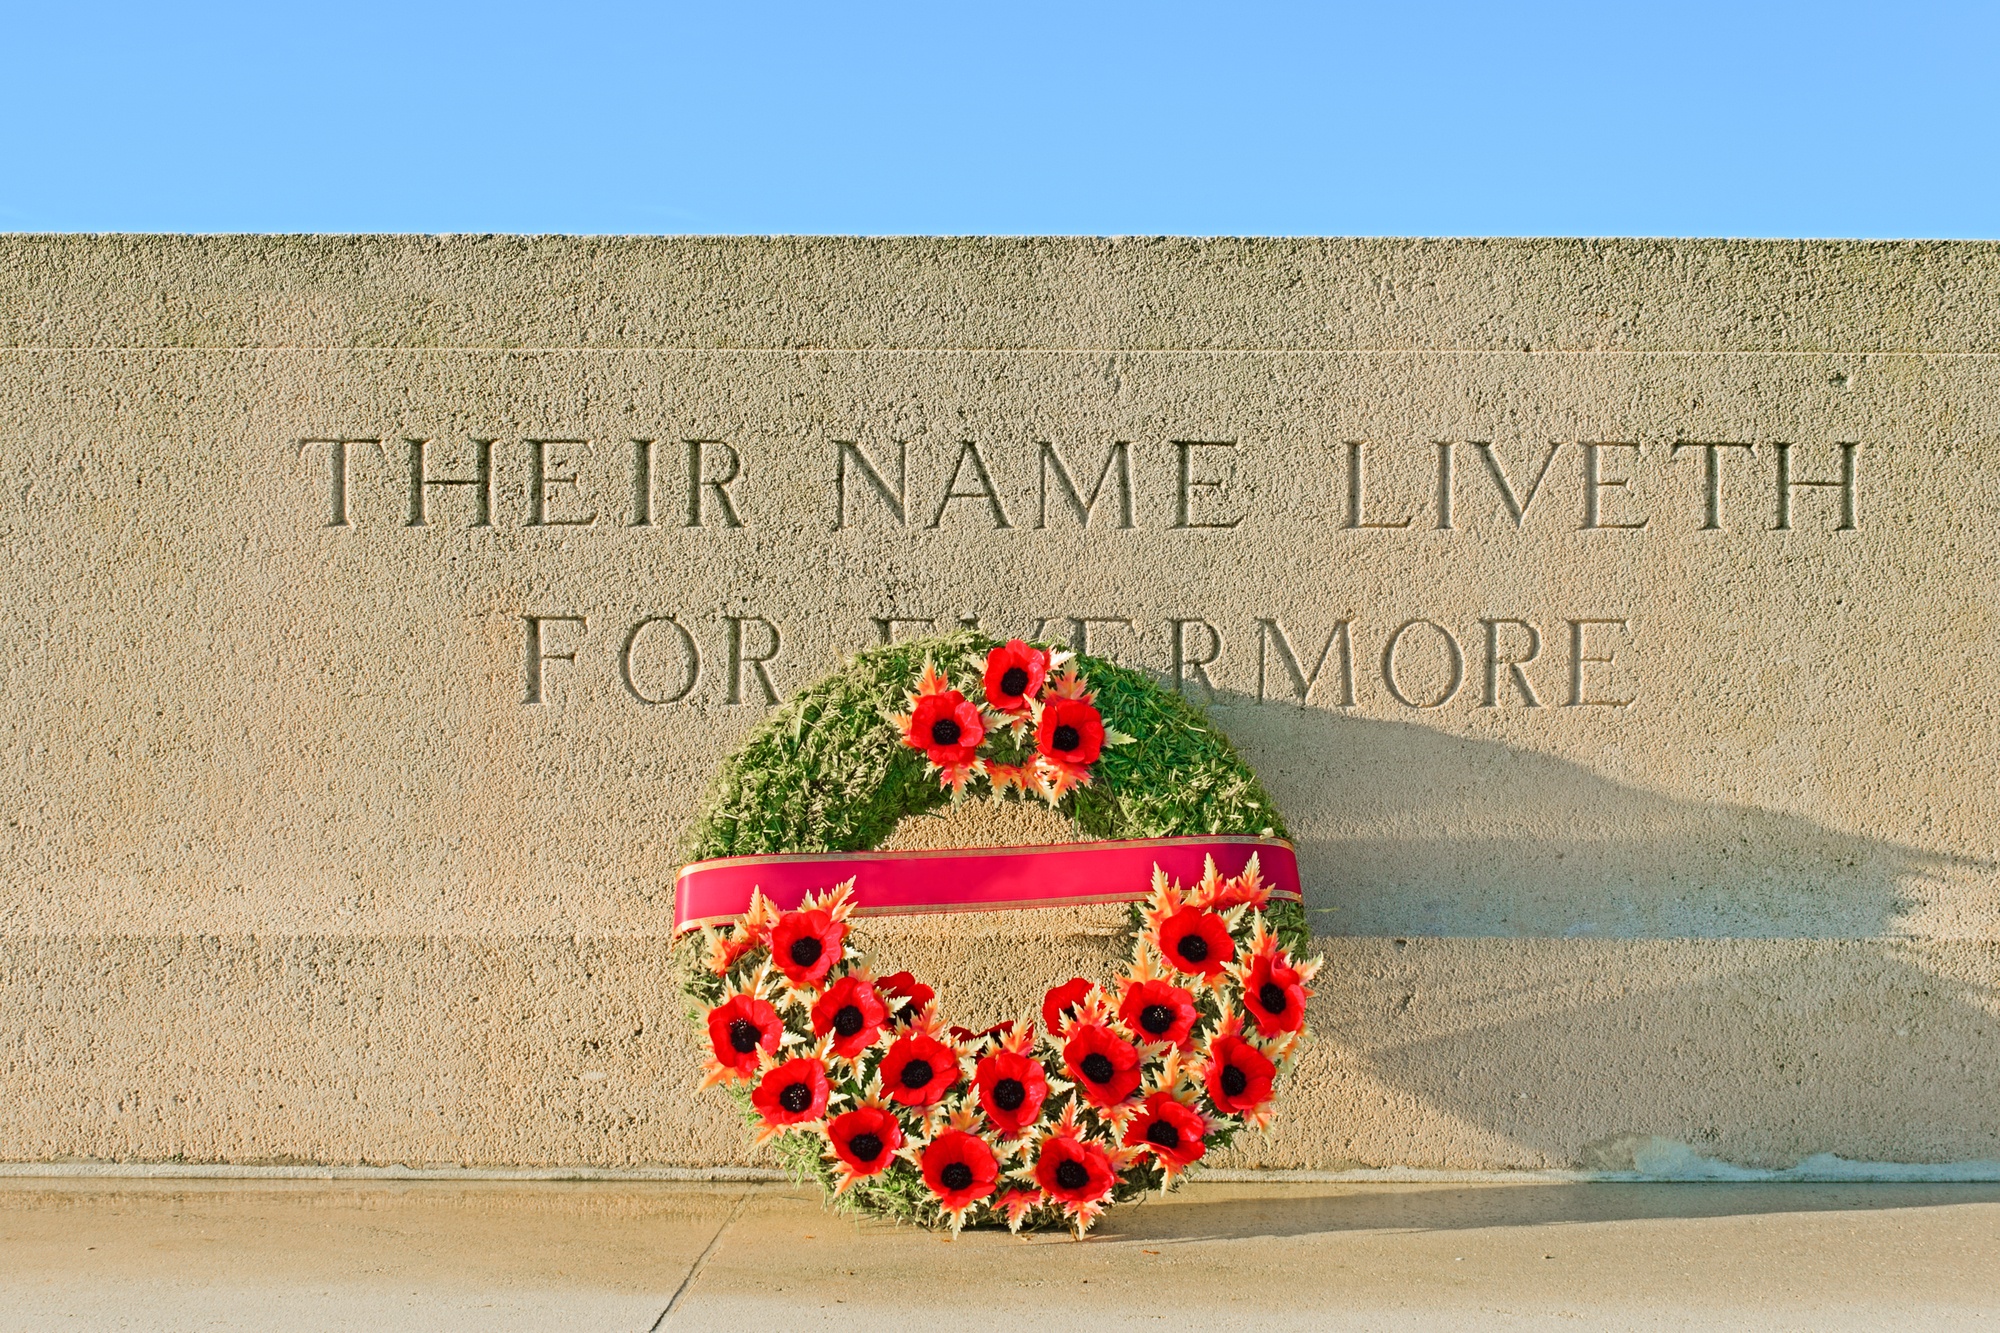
(1027, 293)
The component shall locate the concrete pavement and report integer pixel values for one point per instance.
(487, 1256)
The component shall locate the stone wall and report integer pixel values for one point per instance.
(1613, 621)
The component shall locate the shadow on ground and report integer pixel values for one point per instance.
(1218, 1212)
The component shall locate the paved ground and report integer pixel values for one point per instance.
(503, 1256)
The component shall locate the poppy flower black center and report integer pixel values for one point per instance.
(806, 950)
(956, 1176)
(1234, 1080)
(1097, 1067)
(1071, 1175)
(1009, 1093)
(848, 1020)
(865, 1147)
(917, 1073)
(1066, 737)
(946, 731)
(1193, 948)
(1156, 1018)
(1014, 681)
(796, 1097)
(1272, 996)
(1163, 1134)
(743, 1036)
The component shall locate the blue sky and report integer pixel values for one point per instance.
(1696, 119)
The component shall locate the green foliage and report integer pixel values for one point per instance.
(827, 772)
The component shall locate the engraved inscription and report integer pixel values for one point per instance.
(982, 488)
(1419, 663)
(1272, 639)
(713, 466)
(422, 483)
(1607, 481)
(541, 651)
(651, 665)
(1199, 498)
(541, 477)
(1119, 458)
(1184, 485)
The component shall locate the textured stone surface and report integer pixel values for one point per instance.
(309, 857)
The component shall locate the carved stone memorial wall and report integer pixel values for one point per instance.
(1615, 623)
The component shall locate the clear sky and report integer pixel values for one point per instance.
(1738, 119)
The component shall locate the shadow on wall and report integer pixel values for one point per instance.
(1407, 831)
(1536, 966)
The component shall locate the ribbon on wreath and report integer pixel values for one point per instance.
(975, 879)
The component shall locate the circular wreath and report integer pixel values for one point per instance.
(855, 1078)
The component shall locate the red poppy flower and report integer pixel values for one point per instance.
(959, 1168)
(947, 728)
(1104, 1065)
(1157, 1011)
(866, 1138)
(1172, 1132)
(1071, 734)
(1197, 941)
(1074, 1171)
(806, 945)
(1274, 995)
(1239, 1076)
(792, 1093)
(919, 1069)
(904, 994)
(1014, 675)
(740, 1029)
(852, 1012)
(1060, 1001)
(1012, 1088)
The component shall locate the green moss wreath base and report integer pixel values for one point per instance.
(831, 771)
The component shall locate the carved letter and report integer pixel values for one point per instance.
(1270, 634)
(1189, 668)
(892, 499)
(1491, 699)
(1446, 452)
(1578, 658)
(690, 661)
(970, 451)
(1120, 457)
(421, 482)
(336, 454)
(1517, 506)
(1079, 631)
(642, 484)
(697, 483)
(1453, 656)
(738, 658)
(1786, 485)
(886, 626)
(1355, 497)
(1712, 511)
(1189, 484)
(539, 481)
(538, 653)
(1594, 484)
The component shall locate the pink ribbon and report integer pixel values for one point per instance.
(975, 879)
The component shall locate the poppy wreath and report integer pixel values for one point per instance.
(1111, 1091)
